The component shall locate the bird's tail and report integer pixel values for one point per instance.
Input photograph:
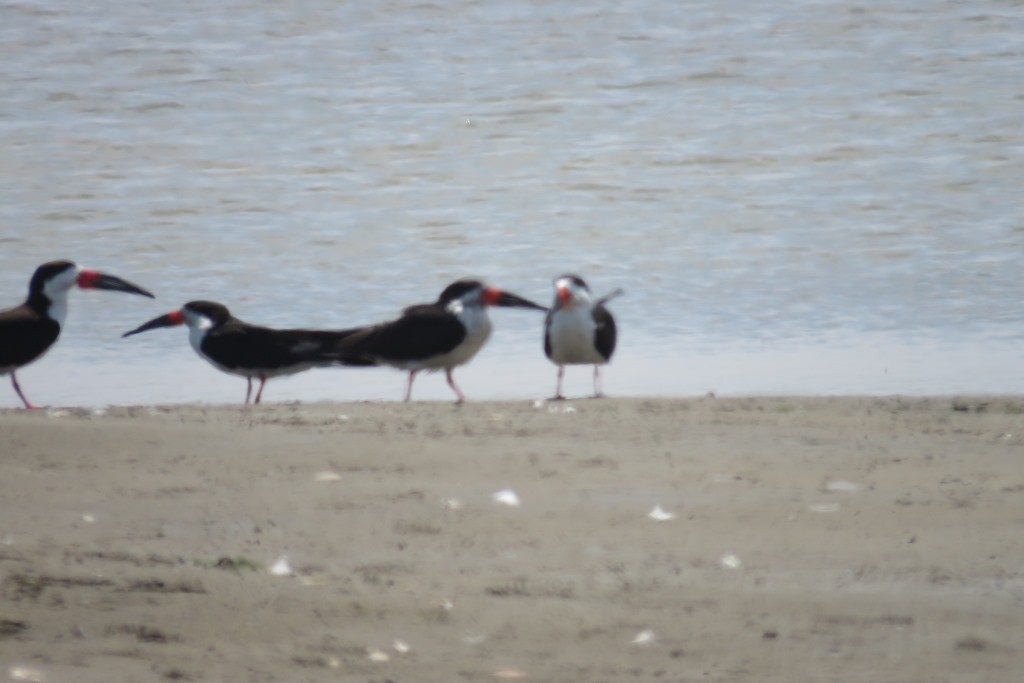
(344, 348)
(326, 348)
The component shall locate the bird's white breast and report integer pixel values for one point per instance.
(198, 326)
(58, 310)
(571, 334)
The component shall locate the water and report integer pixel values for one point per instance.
(817, 197)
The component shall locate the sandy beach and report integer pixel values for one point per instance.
(728, 539)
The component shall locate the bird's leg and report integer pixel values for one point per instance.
(263, 380)
(451, 383)
(14, 381)
(248, 389)
(597, 382)
(408, 387)
(558, 388)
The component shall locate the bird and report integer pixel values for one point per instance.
(29, 330)
(437, 336)
(579, 330)
(239, 348)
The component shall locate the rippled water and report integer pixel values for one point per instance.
(811, 197)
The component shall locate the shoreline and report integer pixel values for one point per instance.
(729, 539)
(865, 364)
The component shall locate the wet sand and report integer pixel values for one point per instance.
(801, 539)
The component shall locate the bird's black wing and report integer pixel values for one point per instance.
(547, 332)
(239, 346)
(618, 291)
(604, 332)
(422, 332)
(24, 336)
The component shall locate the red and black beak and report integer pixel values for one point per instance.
(170, 320)
(495, 297)
(94, 279)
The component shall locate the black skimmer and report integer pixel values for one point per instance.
(29, 330)
(437, 336)
(238, 348)
(578, 330)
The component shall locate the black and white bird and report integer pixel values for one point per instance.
(238, 348)
(29, 330)
(438, 336)
(579, 330)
